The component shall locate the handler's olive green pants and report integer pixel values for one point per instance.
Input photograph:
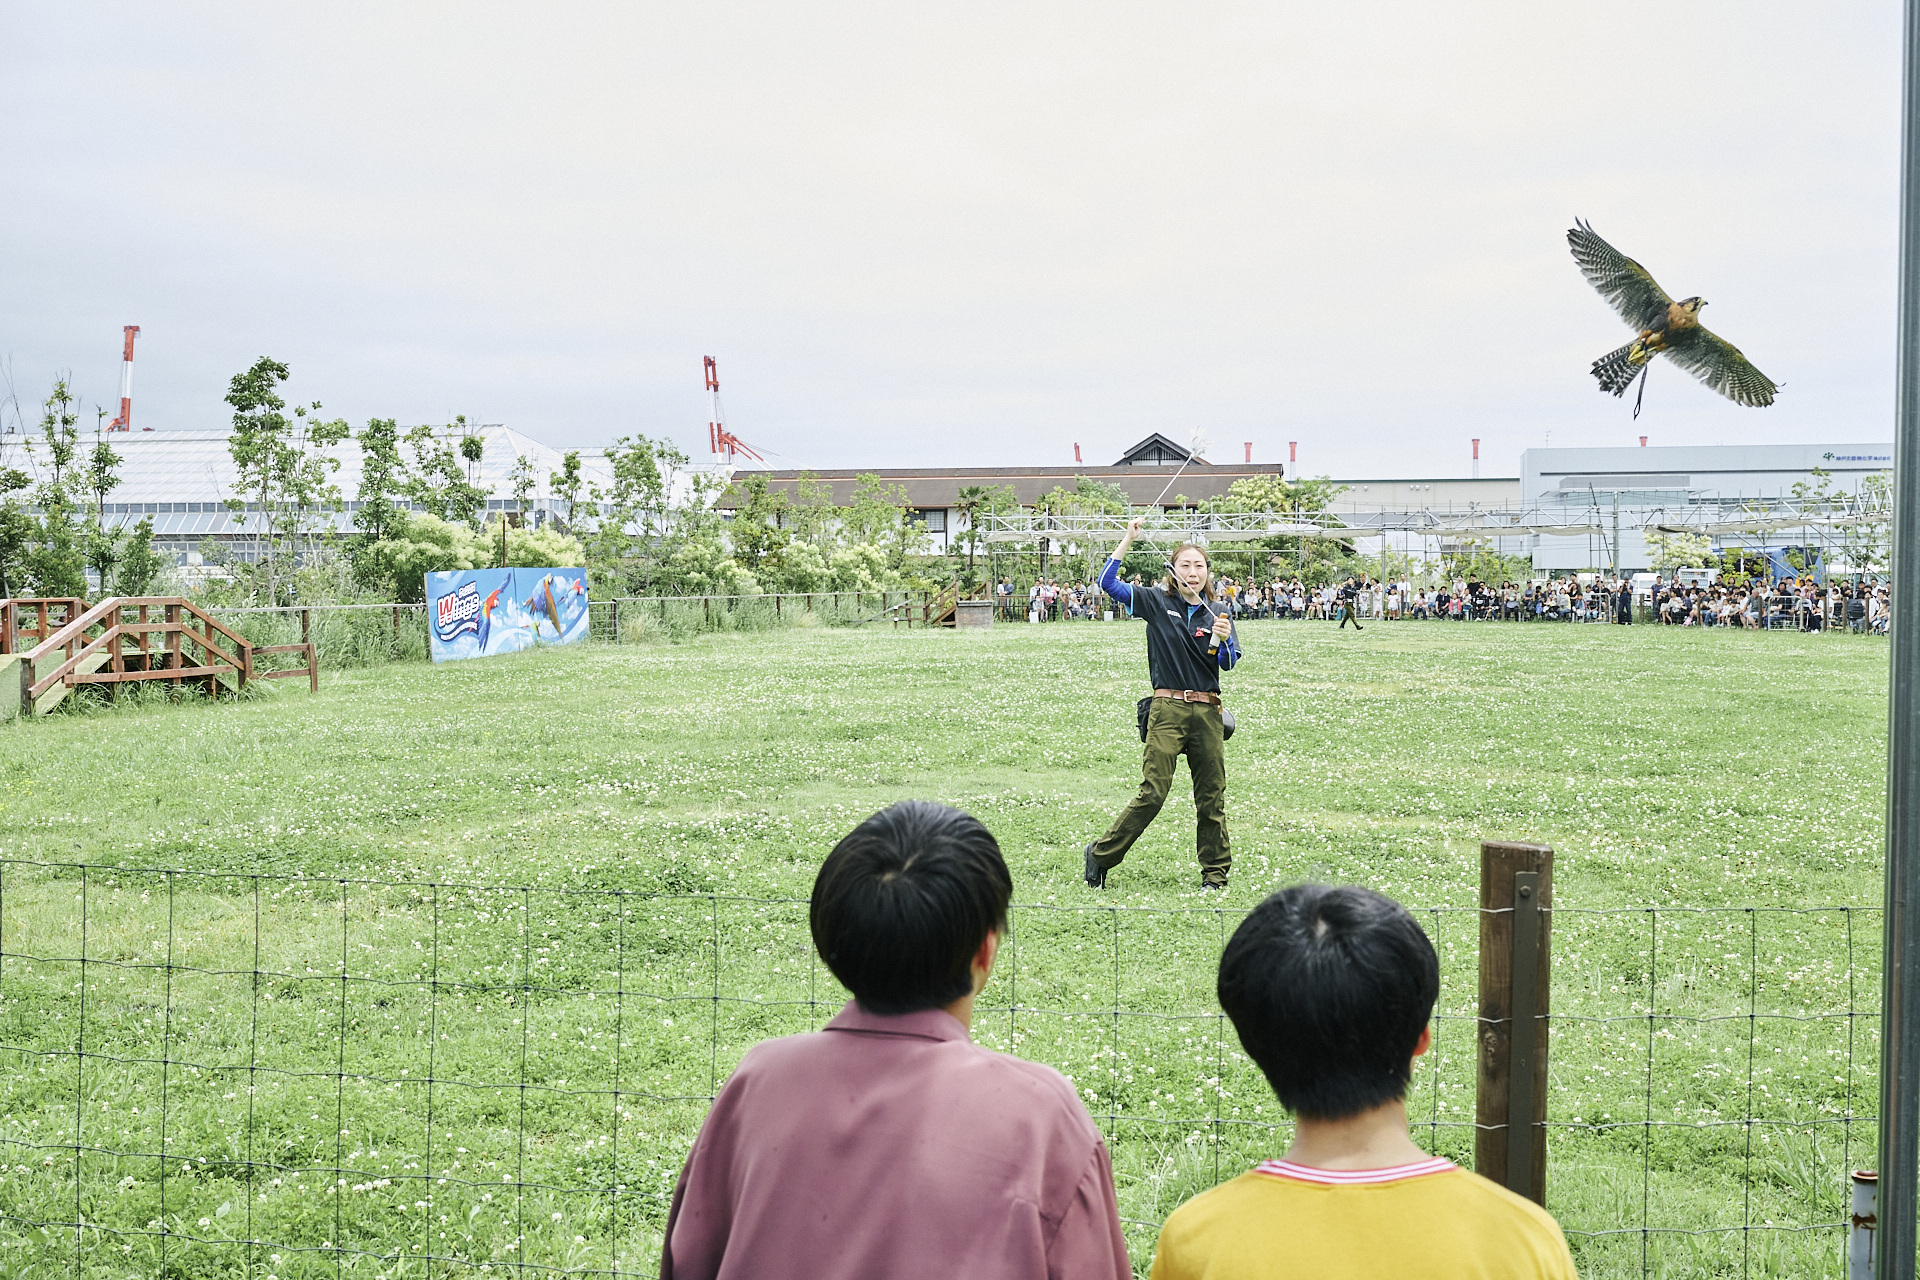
(1174, 728)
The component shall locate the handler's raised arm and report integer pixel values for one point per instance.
(1110, 576)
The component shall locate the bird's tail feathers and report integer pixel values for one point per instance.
(1616, 370)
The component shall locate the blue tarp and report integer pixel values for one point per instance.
(1778, 566)
(475, 612)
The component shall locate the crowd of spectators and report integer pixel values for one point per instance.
(1799, 604)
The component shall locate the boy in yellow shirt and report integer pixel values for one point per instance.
(1331, 990)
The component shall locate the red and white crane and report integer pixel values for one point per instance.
(721, 441)
(125, 421)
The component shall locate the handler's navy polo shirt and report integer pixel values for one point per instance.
(1177, 634)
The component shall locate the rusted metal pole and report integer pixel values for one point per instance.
(1865, 1224)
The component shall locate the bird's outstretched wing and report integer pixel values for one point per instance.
(1618, 278)
(1718, 363)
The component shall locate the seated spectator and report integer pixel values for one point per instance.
(1330, 990)
(887, 1144)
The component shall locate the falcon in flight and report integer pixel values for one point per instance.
(1665, 327)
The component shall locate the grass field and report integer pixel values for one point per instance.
(474, 944)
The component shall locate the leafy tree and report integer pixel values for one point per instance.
(18, 531)
(103, 544)
(1677, 550)
(565, 483)
(529, 548)
(756, 534)
(878, 515)
(421, 544)
(101, 548)
(630, 544)
(970, 505)
(57, 562)
(140, 565)
(424, 543)
(283, 467)
(522, 481)
(1316, 560)
(439, 482)
(103, 476)
(1868, 543)
(1477, 560)
(383, 478)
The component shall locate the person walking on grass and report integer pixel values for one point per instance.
(1349, 596)
(1190, 641)
(1331, 991)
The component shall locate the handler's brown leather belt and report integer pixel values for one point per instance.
(1188, 695)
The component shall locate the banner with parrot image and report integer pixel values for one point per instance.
(475, 612)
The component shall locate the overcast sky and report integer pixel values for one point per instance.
(955, 234)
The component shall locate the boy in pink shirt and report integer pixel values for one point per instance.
(888, 1144)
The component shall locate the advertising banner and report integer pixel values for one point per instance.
(475, 612)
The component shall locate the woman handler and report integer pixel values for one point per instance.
(1184, 716)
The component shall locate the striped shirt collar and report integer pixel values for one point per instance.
(1352, 1177)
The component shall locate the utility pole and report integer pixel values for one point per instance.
(1900, 964)
(1616, 533)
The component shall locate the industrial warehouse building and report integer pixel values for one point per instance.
(1629, 489)
(182, 479)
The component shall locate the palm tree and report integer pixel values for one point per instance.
(970, 502)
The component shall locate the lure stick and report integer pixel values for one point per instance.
(1193, 447)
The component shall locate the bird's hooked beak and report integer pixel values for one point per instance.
(1694, 304)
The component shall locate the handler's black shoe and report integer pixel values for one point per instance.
(1221, 885)
(1096, 874)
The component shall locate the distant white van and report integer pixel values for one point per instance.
(1698, 577)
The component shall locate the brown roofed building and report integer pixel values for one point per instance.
(932, 492)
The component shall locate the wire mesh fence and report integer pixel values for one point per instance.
(254, 1074)
(368, 634)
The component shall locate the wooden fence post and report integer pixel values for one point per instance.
(616, 622)
(306, 626)
(1510, 1088)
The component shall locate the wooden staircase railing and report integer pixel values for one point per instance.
(126, 639)
(940, 609)
(25, 622)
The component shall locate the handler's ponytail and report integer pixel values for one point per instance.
(1171, 584)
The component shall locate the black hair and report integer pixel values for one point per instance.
(1330, 988)
(903, 902)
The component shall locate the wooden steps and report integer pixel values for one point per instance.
(129, 639)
